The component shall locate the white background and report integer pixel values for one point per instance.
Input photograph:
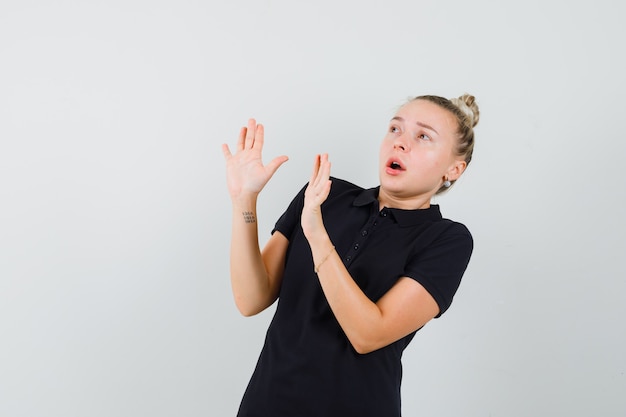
(115, 219)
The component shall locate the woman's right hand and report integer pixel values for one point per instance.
(245, 173)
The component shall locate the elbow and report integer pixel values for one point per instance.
(362, 350)
(363, 346)
(249, 308)
(366, 338)
(247, 313)
(246, 310)
(365, 349)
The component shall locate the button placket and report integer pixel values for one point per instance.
(361, 238)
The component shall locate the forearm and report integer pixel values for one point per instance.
(359, 317)
(249, 277)
(255, 275)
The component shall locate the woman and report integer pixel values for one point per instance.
(356, 271)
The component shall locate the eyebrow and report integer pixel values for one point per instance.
(424, 125)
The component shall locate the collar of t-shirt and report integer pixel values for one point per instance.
(403, 217)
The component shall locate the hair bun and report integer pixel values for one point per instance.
(467, 104)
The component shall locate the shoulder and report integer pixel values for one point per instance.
(453, 241)
(453, 231)
(455, 228)
(448, 227)
(442, 236)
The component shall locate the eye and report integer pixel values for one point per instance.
(423, 136)
(394, 129)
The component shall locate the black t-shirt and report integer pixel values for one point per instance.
(307, 367)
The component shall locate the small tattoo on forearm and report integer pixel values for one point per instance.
(248, 217)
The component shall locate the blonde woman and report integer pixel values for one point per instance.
(356, 272)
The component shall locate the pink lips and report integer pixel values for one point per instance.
(394, 166)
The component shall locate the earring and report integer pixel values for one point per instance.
(447, 183)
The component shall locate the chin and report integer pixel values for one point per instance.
(394, 185)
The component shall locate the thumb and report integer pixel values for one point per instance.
(275, 163)
(226, 151)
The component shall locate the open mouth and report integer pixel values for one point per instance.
(395, 165)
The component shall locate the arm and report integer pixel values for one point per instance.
(255, 275)
(369, 326)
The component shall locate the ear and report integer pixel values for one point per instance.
(456, 169)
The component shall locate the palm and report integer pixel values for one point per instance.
(315, 194)
(245, 171)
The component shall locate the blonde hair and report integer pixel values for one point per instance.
(466, 112)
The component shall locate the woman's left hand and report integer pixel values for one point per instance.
(315, 194)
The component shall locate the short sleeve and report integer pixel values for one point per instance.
(290, 219)
(440, 267)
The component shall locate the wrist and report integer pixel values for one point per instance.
(245, 202)
(318, 265)
(316, 235)
(319, 241)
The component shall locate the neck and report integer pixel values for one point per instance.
(405, 203)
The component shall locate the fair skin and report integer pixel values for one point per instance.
(416, 156)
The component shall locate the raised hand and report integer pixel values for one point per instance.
(315, 194)
(245, 173)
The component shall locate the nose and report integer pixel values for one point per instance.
(401, 144)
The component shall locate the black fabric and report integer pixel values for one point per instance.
(307, 367)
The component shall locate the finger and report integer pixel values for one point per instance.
(316, 168)
(250, 131)
(324, 184)
(226, 151)
(241, 139)
(323, 170)
(325, 191)
(275, 163)
(259, 136)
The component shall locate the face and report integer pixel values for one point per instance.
(417, 155)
